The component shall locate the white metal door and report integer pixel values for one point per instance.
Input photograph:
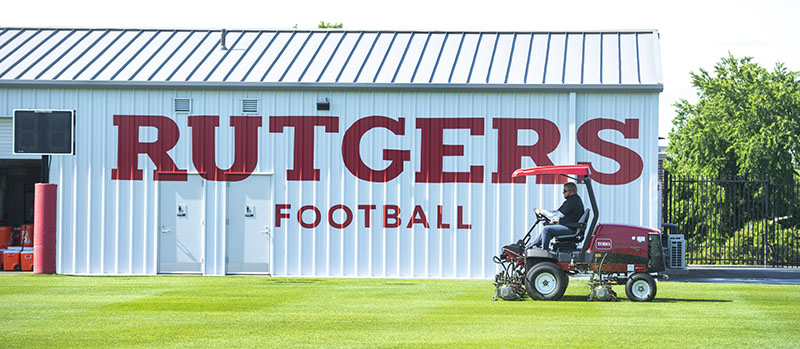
(249, 218)
(182, 228)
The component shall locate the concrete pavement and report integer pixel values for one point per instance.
(736, 274)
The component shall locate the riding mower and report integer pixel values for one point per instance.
(612, 254)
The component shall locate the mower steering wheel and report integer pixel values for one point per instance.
(541, 217)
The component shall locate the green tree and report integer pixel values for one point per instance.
(745, 124)
(323, 24)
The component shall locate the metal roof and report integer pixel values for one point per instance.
(330, 58)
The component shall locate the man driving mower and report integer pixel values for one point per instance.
(612, 254)
(563, 221)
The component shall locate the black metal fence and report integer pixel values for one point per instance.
(750, 222)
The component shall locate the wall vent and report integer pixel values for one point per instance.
(183, 105)
(249, 106)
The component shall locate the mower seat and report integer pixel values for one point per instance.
(567, 243)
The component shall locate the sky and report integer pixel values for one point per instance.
(693, 34)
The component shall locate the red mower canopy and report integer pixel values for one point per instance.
(576, 170)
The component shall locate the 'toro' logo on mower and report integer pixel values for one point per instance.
(602, 244)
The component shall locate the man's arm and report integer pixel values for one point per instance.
(553, 215)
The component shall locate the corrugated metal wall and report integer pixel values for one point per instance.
(110, 226)
(6, 138)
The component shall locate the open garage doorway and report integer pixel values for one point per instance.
(17, 180)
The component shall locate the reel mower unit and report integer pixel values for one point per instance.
(612, 254)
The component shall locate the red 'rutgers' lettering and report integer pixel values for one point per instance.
(303, 168)
(351, 149)
(204, 147)
(630, 163)
(129, 147)
(433, 149)
(509, 153)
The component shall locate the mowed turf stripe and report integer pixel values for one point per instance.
(169, 311)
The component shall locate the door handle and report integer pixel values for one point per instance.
(164, 229)
(266, 231)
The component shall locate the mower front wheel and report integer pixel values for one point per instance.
(545, 281)
(641, 287)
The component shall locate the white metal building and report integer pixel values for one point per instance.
(208, 151)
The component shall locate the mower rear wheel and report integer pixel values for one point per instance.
(641, 287)
(545, 281)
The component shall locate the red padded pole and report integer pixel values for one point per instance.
(44, 229)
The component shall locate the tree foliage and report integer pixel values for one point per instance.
(323, 24)
(746, 245)
(746, 123)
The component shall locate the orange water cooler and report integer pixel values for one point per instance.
(26, 259)
(11, 259)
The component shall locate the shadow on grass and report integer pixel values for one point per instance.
(574, 298)
(399, 284)
(682, 300)
(296, 281)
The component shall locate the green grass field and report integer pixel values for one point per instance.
(188, 311)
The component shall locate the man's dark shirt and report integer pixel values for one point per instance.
(572, 209)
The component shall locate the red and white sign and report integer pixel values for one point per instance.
(432, 149)
(602, 244)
